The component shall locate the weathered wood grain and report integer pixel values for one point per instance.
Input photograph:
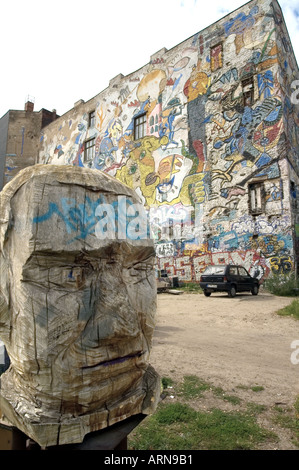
(77, 303)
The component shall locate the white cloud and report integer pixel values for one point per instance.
(290, 10)
(65, 50)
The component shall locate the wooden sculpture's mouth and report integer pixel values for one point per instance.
(117, 360)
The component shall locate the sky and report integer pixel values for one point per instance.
(61, 51)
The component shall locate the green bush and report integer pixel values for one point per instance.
(283, 285)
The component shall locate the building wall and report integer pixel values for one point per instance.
(204, 145)
(20, 139)
(288, 79)
(3, 142)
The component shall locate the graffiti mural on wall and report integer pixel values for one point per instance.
(210, 128)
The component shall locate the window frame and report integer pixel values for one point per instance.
(140, 122)
(256, 191)
(248, 90)
(233, 271)
(87, 148)
(92, 119)
(243, 271)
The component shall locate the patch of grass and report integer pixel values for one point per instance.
(286, 420)
(230, 431)
(232, 399)
(166, 382)
(179, 427)
(175, 413)
(257, 388)
(192, 387)
(255, 409)
(219, 392)
(290, 310)
(243, 387)
(191, 287)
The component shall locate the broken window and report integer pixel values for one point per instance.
(216, 57)
(256, 198)
(248, 91)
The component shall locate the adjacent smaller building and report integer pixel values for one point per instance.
(20, 132)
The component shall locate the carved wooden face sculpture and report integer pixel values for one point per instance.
(77, 303)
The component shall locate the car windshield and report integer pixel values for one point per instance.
(215, 270)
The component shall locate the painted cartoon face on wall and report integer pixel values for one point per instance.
(76, 311)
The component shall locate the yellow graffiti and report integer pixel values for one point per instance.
(151, 85)
(100, 120)
(193, 190)
(281, 265)
(198, 85)
(139, 171)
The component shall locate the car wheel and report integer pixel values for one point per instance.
(255, 290)
(206, 293)
(232, 292)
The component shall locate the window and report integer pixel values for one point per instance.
(89, 150)
(233, 270)
(247, 87)
(216, 57)
(92, 119)
(140, 127)
(242, 271)
(215, 269)
(256, 198)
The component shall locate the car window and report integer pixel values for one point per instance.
(233, 270)
(215, 270)
(243, 272)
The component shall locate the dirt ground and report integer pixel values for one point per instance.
(230, 342)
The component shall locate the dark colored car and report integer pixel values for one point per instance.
(228, 278)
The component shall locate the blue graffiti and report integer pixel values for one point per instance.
(78, 218)
(94, 218)
(265, 83)
(241, 22)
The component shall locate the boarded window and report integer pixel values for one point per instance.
(216, 57)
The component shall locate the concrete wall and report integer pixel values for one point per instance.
(3, 142)
(2, 354)
(204, 145)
